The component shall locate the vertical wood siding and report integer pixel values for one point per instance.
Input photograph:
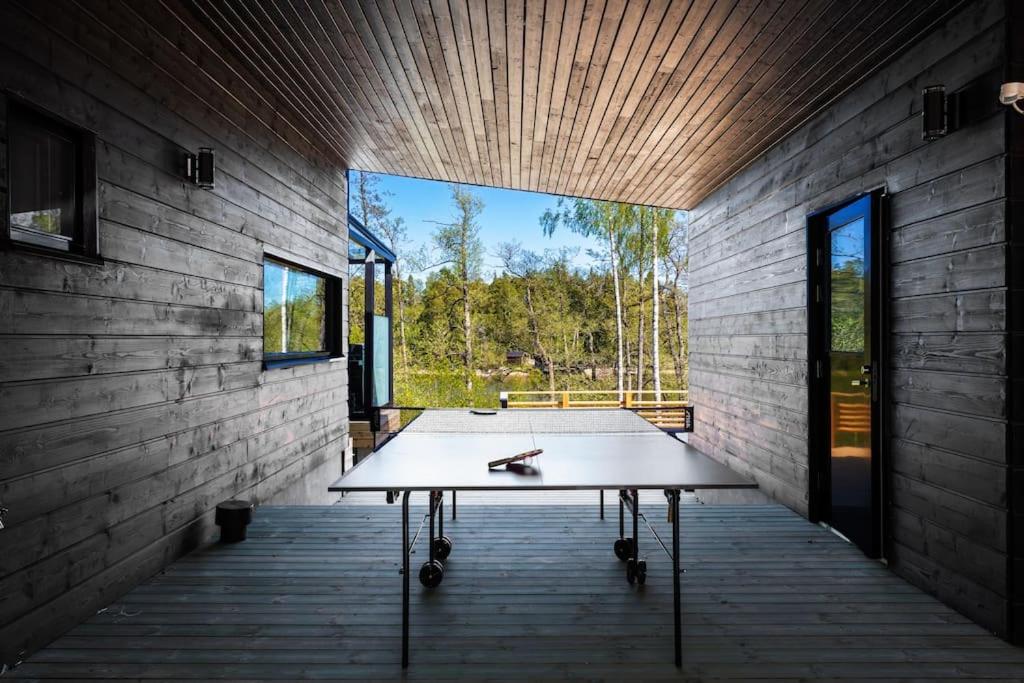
(133, 395)
(948, 365)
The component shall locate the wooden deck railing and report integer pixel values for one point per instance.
(671, 412)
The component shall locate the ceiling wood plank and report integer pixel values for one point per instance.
(665, 50)
(723, 41)
(364, 86)
(438, 24)
(421, 41)
(254, 40)
(790, 45)
(547, 63)
(830, 76)
(625, 37)
(356, 40)
(611, 17)
(499, 71)
(648, 101)
(593, 13)
(389, 35)
(515, 18)
(855, 22)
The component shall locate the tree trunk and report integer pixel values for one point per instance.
(401, 317)
(618, 313)
(629, 370)
(361, 193)
(640, 340)
(535, 328)
(284, 310)
(467, 330)
(655, 335)
(674, 349)
(593, 359)
(680, 341)
(467, 322)
(640, 306)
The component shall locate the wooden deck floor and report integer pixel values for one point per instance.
(531, 593)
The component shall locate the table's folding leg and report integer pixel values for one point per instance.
(453, 503)
(438, 545)
(622, 522)
(629, 549)
(430, 538)
(623, 546)
(636, 527)
(676, 609)
(405, 579)
(440, 514)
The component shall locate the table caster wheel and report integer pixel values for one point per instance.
(623, 548)
(636, 572)
(442, 547)
(431, 574)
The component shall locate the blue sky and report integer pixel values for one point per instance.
(508, 215)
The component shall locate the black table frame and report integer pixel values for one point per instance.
(627, 498)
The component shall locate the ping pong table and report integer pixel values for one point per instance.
(617, 450)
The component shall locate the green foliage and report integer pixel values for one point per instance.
(561, 316)
(847, 294)
(305, 324)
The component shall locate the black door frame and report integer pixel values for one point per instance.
(819, 457)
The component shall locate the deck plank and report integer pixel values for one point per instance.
(531, 592)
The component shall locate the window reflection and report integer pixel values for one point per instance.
(847, 295)
(294, 310)
(42, 179)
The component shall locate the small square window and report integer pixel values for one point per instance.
(51, 182)
(301, 314)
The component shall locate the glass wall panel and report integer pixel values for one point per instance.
(381, 361)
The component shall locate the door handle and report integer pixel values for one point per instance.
(860, 383)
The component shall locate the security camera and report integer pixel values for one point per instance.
(1011, 95)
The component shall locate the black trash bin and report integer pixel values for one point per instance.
(232, 518)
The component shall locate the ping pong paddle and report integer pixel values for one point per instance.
(515, 458)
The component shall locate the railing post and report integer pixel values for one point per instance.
(629, 399)
(565, 399)
(503, 399)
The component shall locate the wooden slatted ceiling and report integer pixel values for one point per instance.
(656, 102)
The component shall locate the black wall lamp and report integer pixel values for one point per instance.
(199, 168)
(940, 114)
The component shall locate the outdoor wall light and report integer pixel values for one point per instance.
(200, 169)
(939, 112)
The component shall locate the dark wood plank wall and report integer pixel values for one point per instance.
(133, 394)
(1015, 319)
(948, 365)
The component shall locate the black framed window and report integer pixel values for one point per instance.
(51, 173)
(301, 314)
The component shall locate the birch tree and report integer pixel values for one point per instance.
(606, 221)
(655, 309)
(458, 244)
(661, 220)
(678, 259)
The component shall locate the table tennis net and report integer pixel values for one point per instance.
(531, 421)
